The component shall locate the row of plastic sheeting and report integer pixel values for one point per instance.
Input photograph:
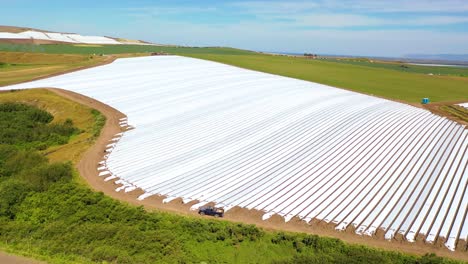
(7, 35)
(209, 132)
(91, 39)
(464, 105)
(60, 37)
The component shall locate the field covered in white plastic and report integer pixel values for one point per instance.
(60, 37)
(464, 105)
(215, 133)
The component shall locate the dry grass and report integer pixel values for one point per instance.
(41, 58)
(11, 29)
(456, 111)
(18, 67)
(87, 45)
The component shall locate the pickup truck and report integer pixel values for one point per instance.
(211, 210)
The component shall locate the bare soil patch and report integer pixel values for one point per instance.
(11, 259)
(436, 109)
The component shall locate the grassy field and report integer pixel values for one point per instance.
(16, 67)
(387, 80)
(63, 221)
(19, 66)
(115, 49)
(404, 86)
(403, 67)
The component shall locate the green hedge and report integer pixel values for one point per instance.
(29, 127)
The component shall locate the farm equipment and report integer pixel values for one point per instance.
(211, 210)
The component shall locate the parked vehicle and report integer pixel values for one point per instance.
(211, 210)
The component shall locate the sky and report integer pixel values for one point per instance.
(344, 27)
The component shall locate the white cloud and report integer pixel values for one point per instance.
(413, 6)
(352, 20)
(437, 20)
(319, 26)
(320, 13)
(335, 20)
(272, 7)
(156, 11)
(350, 13)
(263, 37)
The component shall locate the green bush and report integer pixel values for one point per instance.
(21, 161)
(29, 127)
(12, 194)
(99, 122)
(43, 176)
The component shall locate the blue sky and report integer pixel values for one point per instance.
(349, 27)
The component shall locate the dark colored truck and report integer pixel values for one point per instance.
(211, 210)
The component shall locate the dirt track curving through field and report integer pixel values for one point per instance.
(87, 168)
(12, 259)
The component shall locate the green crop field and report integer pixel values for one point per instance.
(404, 86)
(387, 80)
(115, 49)
(405, 67)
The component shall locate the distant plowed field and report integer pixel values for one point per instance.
(209, 132)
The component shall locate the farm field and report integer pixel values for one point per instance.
(116, 49)
(19, 66)
(382, 82)
(281, 146)
(16, 67)
(52, 217)
(387, 81)
(406, 67)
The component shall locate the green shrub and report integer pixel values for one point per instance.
(22, 161)
(99, 122)
(42, 177)
(12, 194)
(29, 127)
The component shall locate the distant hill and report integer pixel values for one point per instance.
(439, 57)
(12, 29)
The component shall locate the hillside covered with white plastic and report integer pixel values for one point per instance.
(59, 37)
(215, 133)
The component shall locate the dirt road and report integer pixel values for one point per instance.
(6, 258)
